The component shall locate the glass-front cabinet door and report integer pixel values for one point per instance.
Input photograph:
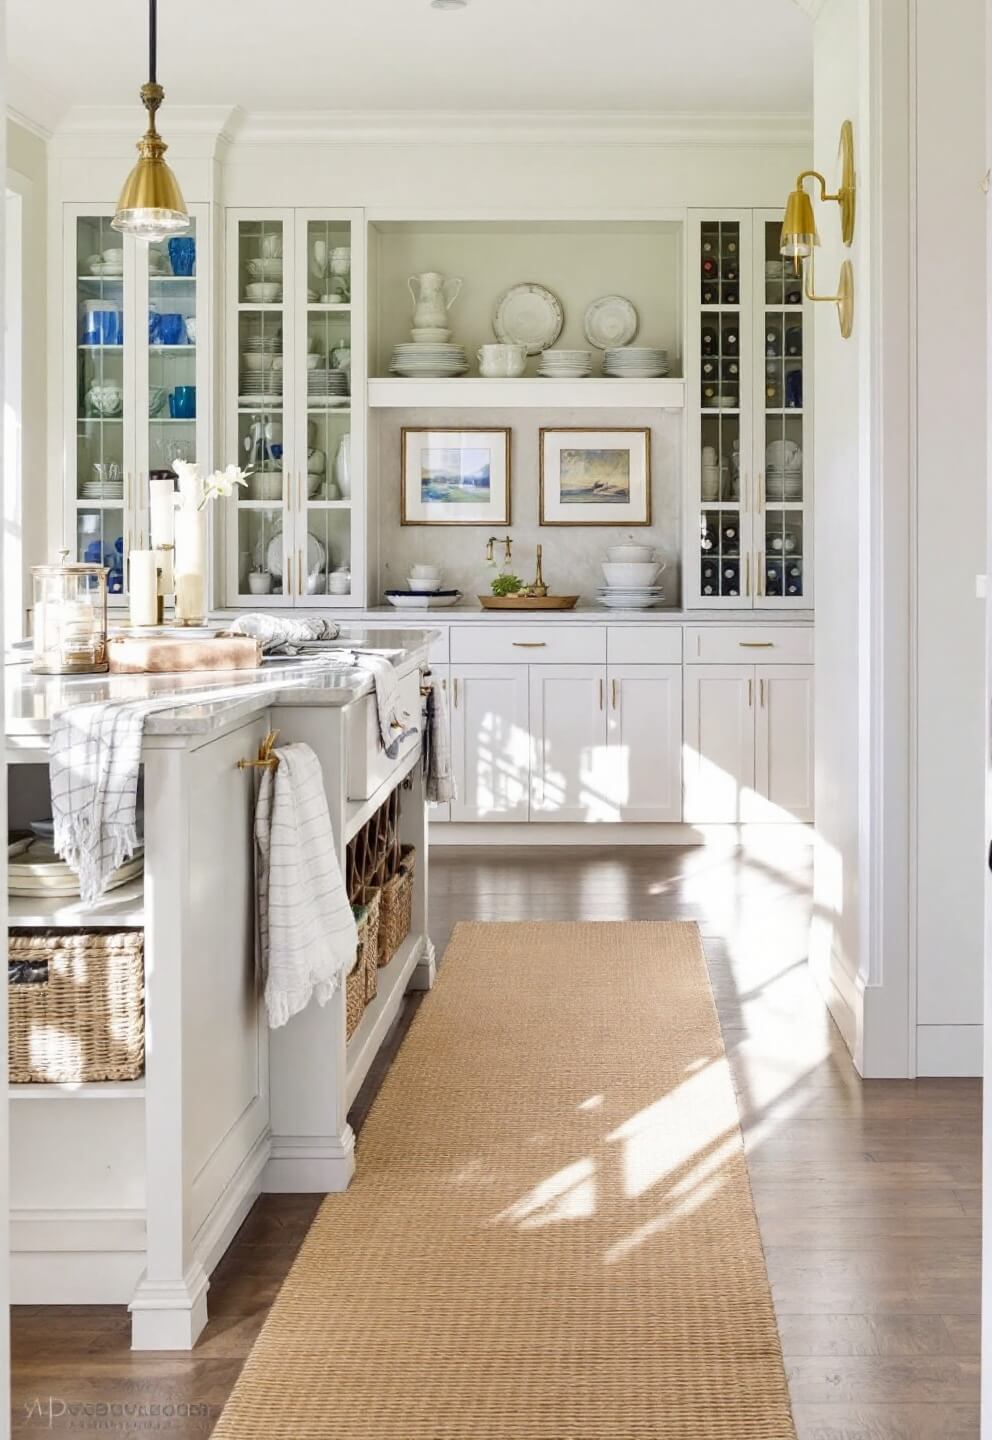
(101, 517)
(782, 434)
(296, 383)
(137, 388)
(718, 554)
(259, 537)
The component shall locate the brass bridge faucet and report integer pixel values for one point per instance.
(507, 544)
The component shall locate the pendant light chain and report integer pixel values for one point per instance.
(151, 205)
(152, 41)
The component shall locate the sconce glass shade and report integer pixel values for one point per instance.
(799, 227)
(151, 205)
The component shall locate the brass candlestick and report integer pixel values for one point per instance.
(539, 588)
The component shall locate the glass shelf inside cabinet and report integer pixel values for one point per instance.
(100, 397)
(721, 559)
(783, 540)
(172, 340)
(328, 372)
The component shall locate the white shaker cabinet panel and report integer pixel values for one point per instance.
(645, 741)
(570, 779)
(490, 742)
(783, 743)
(718, 750)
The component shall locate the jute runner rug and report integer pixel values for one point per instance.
(551, 1234)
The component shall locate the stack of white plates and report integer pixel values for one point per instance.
(262, 384)
(429, 360)
(565, 364)
(631, 572)
(41, 872)
(784, 484)
(259, 338)
(102, 490)
(327, 384)
(635, 362)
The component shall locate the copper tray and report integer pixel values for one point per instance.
(528, 602)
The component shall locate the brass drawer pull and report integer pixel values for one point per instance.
(613, 685)
(529, 644)
(756, 644)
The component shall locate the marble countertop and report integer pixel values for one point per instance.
(591, 613)
(32, 700)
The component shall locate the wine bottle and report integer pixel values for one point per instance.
(709, 295)
(708, 340)
(794, 340)
(731, 340)
(731, 295)
(773, 341)
(708, 369)
(709, 267)
(794, 390)
(709, 395)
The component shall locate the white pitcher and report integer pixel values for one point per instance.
(342, 466)
(433, 296)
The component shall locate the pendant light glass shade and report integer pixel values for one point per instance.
(151, 204)
(799, 227)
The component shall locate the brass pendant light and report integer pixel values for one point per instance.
(151, 204)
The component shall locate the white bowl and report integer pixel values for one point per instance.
(264, 291)
(258, 360)
(265, 269)
(338, 585)
(427, 571)
(423, 584)
(630, 554)
(630, 576)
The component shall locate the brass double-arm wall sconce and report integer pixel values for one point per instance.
(800, 237)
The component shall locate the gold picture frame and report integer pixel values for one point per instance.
(450, 477)
(596, 501)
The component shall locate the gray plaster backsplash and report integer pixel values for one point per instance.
(572, 556)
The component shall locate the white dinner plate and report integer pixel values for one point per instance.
(528, 315)
(316, 556)
(610, 321)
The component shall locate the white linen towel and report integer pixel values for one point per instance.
(440, 780)
(307, 931)
(394, 724)
(278, 630)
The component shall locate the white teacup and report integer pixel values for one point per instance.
(502, 361)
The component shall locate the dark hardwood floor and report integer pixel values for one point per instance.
(867, 1193)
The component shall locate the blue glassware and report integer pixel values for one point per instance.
(172, 329)
(794, 390)
(182, 402)
(182, 254)
(154, 327)
(103, 327)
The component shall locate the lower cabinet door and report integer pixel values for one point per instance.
(442, 686)
(718, 744)
(570, 774)
(783, 748)
(490, 742)
(645, 741)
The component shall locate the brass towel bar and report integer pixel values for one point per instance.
(267, 757)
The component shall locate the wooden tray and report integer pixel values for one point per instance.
(528, 602)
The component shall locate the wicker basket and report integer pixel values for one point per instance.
(76, 1006)
(396, 913)
(361, 983)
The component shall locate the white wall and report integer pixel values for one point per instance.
(900, 527)
(27, 165)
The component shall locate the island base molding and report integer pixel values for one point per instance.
(169, 1315)
(310, 1164)
(756, 838)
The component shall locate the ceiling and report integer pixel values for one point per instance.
(657, 56)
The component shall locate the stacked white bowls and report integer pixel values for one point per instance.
(424, 579)
(631, 572)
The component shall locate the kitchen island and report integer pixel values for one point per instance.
(130, 1192)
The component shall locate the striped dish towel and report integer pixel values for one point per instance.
(394, 724)
(437, 747)
(307, 932)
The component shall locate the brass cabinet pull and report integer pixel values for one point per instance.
(299, 573)
(747, 573)
(613, 687)
(454, 692)
(750, 694)
(761, 693)
(761, 491)
(756, 644)
(761, 574)
(601, 694)
(528, 644)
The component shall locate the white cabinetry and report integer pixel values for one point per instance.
(645, 734)
(748, 743)
(490, 742)
(570, 774)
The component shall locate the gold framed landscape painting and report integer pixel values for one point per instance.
(596, 477)
(455, 476)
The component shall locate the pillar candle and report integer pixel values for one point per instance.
(143, 587)
(162, 504)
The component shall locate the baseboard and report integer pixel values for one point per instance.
(75, 1257)
(949, 1050)
(759, 838)
(310, 1164)
(231, 1207)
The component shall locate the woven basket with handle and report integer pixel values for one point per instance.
(76, 1006)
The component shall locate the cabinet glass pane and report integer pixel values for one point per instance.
(720, 377)
(100, 396)
(264, 521)
(172, 338)
(328, 378)
(784, 482)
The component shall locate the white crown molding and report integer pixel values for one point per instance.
(31, 106)
(389, 127)
(111, 130)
